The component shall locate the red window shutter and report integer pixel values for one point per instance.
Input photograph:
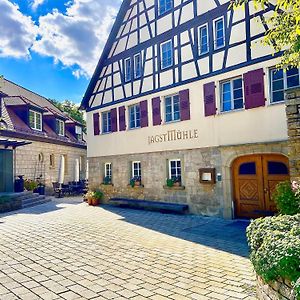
(96, 123)
(209, 99)
(184, 97)
(156, 114)
(113, 120)
(254, 89)
(122, 118)
(144, 113)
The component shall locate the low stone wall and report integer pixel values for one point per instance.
(8, 204)
(277, 290)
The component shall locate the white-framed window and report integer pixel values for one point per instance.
(107, 170)
(60, 127)
(175, 169)
(164, 6)
(172, 108)
(134, 116)
(78, 132)
(106, 122)
(219, 33)
(136, 169)
(281, 80)
(137, 66)
(232, 94)
(35, 120)
(203, 39)
(166, 54)
(127, 66)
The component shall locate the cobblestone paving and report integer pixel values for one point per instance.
(67, 250)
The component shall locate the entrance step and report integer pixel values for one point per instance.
(34, 200)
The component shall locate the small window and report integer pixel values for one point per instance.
(35, 120)
(203, 39)
(52, 161)
(248, 168)
(175, 169)
(108, 171)
(164, 6)
(281, 80)
(166, 55)
(136, 169)
(232, 94)
(127, 69)
(137, 65)
(60, 127)
(277, 168)
(172, 108)
(106, 122)
(219, 33)
(78, 132)
(134, 116)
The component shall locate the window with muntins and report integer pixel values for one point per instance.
(108, 170)
(219, 33)
(164, 6)
(175, 169)
(134, 116)
(172, 108)
(203, 39)
(127, 69)
(35, 120)
(106, 122)
(60, 127)
(281, 80)
(232, 94)
(136, 169)
(137, 65)
(166, 54)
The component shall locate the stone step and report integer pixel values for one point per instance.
(27, 195)
(35, 201)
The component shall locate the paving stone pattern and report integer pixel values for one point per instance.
(67, 250)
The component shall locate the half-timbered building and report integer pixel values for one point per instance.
(186, 99)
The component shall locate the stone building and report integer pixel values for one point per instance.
(47, 134)
(186, 104)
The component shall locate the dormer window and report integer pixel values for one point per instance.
(165, 6)
(78, 131)
(60, 127)
(35, 120)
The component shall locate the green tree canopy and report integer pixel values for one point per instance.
(71, 109)
(284, 28)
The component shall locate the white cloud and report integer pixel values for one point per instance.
(76, 39)
(36, 3)
(17, 31)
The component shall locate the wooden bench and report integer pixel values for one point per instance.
(150, 205)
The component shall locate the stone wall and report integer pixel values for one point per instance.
(293, 120)
(276, 290)
(204, 199)
(28, 161)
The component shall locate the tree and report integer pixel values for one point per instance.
(284, 29)
(71, 109)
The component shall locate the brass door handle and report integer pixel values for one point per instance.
(266, 190)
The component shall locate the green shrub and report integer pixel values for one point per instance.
(170, 182)
(30, 185)
(286, 199)
(275, 248)
(98, 195)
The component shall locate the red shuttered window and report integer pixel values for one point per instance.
(96, 124)
(122, 118)
(209, 99)
(156, 111)
(144, 113)
(184, 97)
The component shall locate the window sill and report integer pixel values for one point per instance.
(107, 184)
(136, 186)
(175, 188)
(171, 122)
(231, 111)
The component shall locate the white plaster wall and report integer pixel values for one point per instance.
(265, 124)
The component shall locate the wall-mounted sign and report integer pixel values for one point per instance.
(207, 175)
(173, 135)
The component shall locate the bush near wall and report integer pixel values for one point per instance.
(275, 248)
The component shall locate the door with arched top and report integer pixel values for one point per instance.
(254, 179)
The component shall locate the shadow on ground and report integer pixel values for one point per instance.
(225, 235)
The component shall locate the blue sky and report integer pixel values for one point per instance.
(52, 46)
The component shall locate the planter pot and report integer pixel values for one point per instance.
(95, 202)
(137, 183)
(177, 184)
(90, 201)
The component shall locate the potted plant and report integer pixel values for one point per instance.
(170, 183)
(176, 181)
(136, 181)
(94, 197)
(107, 180)
(30, 185)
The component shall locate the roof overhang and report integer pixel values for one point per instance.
(13, 144)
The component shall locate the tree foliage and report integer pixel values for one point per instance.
(71, 109)
(284, 28)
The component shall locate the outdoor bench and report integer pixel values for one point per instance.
(150, 205)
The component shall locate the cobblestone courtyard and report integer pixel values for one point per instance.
(67, 250)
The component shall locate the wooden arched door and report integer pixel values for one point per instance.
(254, 179)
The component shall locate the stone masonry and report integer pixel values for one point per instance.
(293, 120)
